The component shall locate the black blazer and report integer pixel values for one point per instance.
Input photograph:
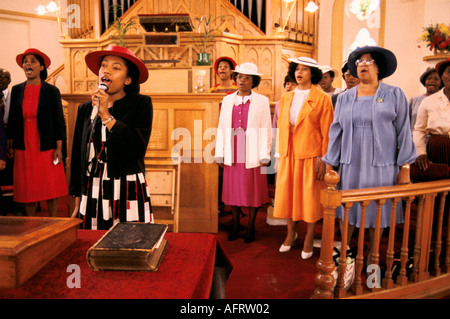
(50, 117)
(2, 139)
(126, 144)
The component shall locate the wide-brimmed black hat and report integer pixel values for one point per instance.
(386, 67)
(344, 68)
(425, 74)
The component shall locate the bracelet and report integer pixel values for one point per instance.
(110, 118)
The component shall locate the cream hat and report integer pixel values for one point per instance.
(327, 68)
(247, 68)
(305, 61)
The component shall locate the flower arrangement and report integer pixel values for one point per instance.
(436, 37)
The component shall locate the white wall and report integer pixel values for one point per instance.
(325, 23)
(404, 22)
(20, 32)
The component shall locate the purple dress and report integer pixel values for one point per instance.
(241, 186)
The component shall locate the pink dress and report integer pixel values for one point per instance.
(241, 186)
(35, 176)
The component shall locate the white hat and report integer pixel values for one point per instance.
(305, 61)
(247, 68)
(327, 68)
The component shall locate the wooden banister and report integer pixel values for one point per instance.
(402, 279)
(330, 199)
(428, 231)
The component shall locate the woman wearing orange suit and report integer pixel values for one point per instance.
(304, 120)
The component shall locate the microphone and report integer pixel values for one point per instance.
(104, 87)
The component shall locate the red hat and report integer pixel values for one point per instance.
(20, 57)
(441, 65)
(93, 60)
(216, 64)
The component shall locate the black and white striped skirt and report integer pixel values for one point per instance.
(106, 201)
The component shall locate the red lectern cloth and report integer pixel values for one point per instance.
(185, 272)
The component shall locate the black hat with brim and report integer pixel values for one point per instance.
(425, 74)
(390, 61)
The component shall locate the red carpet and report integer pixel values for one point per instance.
(260, 271)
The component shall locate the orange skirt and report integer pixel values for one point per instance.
(297, 192)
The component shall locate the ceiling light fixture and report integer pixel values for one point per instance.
(311, 7)
(50, 8)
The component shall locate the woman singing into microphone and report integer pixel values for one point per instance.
(111, 135)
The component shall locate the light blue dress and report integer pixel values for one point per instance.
(370, 139)
(414, 104)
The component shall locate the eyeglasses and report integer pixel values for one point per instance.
(244, 77)
(364, 62)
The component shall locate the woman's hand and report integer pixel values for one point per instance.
(264, 162)
(10, 149)
(329, 168)
(2, 165)
(103, 112)
(403, 177)
(102, 96)
(422, 162)
(320, 169)
(57, 154)
(77, 207)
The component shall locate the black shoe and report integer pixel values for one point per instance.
(234, 233)
(249, 235)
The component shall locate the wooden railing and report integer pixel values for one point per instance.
(421, 244)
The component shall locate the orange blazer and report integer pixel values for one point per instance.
(310, 133)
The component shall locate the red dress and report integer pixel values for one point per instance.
(35, 176)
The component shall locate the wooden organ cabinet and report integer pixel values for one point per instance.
(179, 154)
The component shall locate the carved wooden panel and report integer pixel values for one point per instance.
(160, 137)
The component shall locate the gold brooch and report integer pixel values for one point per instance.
(379, 99)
